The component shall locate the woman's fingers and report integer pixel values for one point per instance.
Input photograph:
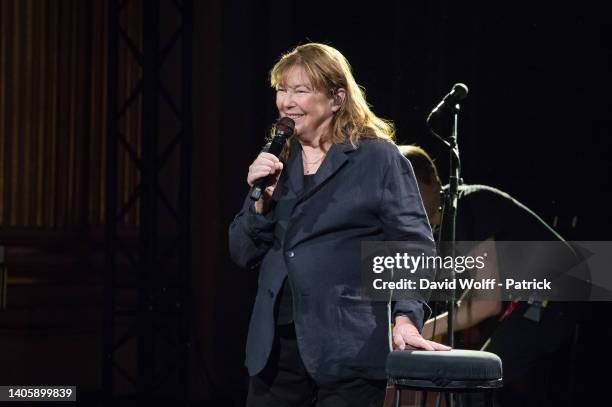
(265, 164)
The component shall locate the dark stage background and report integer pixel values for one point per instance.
(537, 124)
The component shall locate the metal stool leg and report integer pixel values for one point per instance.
(448, 397)
(398, 396)
(423, 399)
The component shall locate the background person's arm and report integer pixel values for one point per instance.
(472, 312)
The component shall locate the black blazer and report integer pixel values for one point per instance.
(367, 192)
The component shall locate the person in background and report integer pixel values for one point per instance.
(525, 336)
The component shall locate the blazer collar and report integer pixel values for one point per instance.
(336, 157)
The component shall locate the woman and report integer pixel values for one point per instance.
(312, 335)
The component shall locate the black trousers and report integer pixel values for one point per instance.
(284, 382)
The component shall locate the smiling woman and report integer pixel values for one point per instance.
(321, 69)
(311, 109)
(340, 180)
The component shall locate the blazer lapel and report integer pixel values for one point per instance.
(336, 157)
(292, 189)
(291, 184)
(296, 169)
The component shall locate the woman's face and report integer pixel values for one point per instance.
(311, 109)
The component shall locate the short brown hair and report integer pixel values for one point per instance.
(424, 167)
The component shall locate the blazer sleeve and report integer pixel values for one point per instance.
(250, 235)
(404, 219)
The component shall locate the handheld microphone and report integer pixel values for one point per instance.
(282, 131)
(457, 94)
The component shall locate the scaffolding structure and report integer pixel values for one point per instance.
(147, 299)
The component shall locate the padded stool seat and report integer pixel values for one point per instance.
(444, 371)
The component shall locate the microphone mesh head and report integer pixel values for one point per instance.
(460, 91)
(285, 125)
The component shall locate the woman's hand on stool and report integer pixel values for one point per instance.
(406, 335)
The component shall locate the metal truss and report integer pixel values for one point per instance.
(147, 306)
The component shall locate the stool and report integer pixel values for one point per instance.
(448, 372)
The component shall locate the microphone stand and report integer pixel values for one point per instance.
(449, 215)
